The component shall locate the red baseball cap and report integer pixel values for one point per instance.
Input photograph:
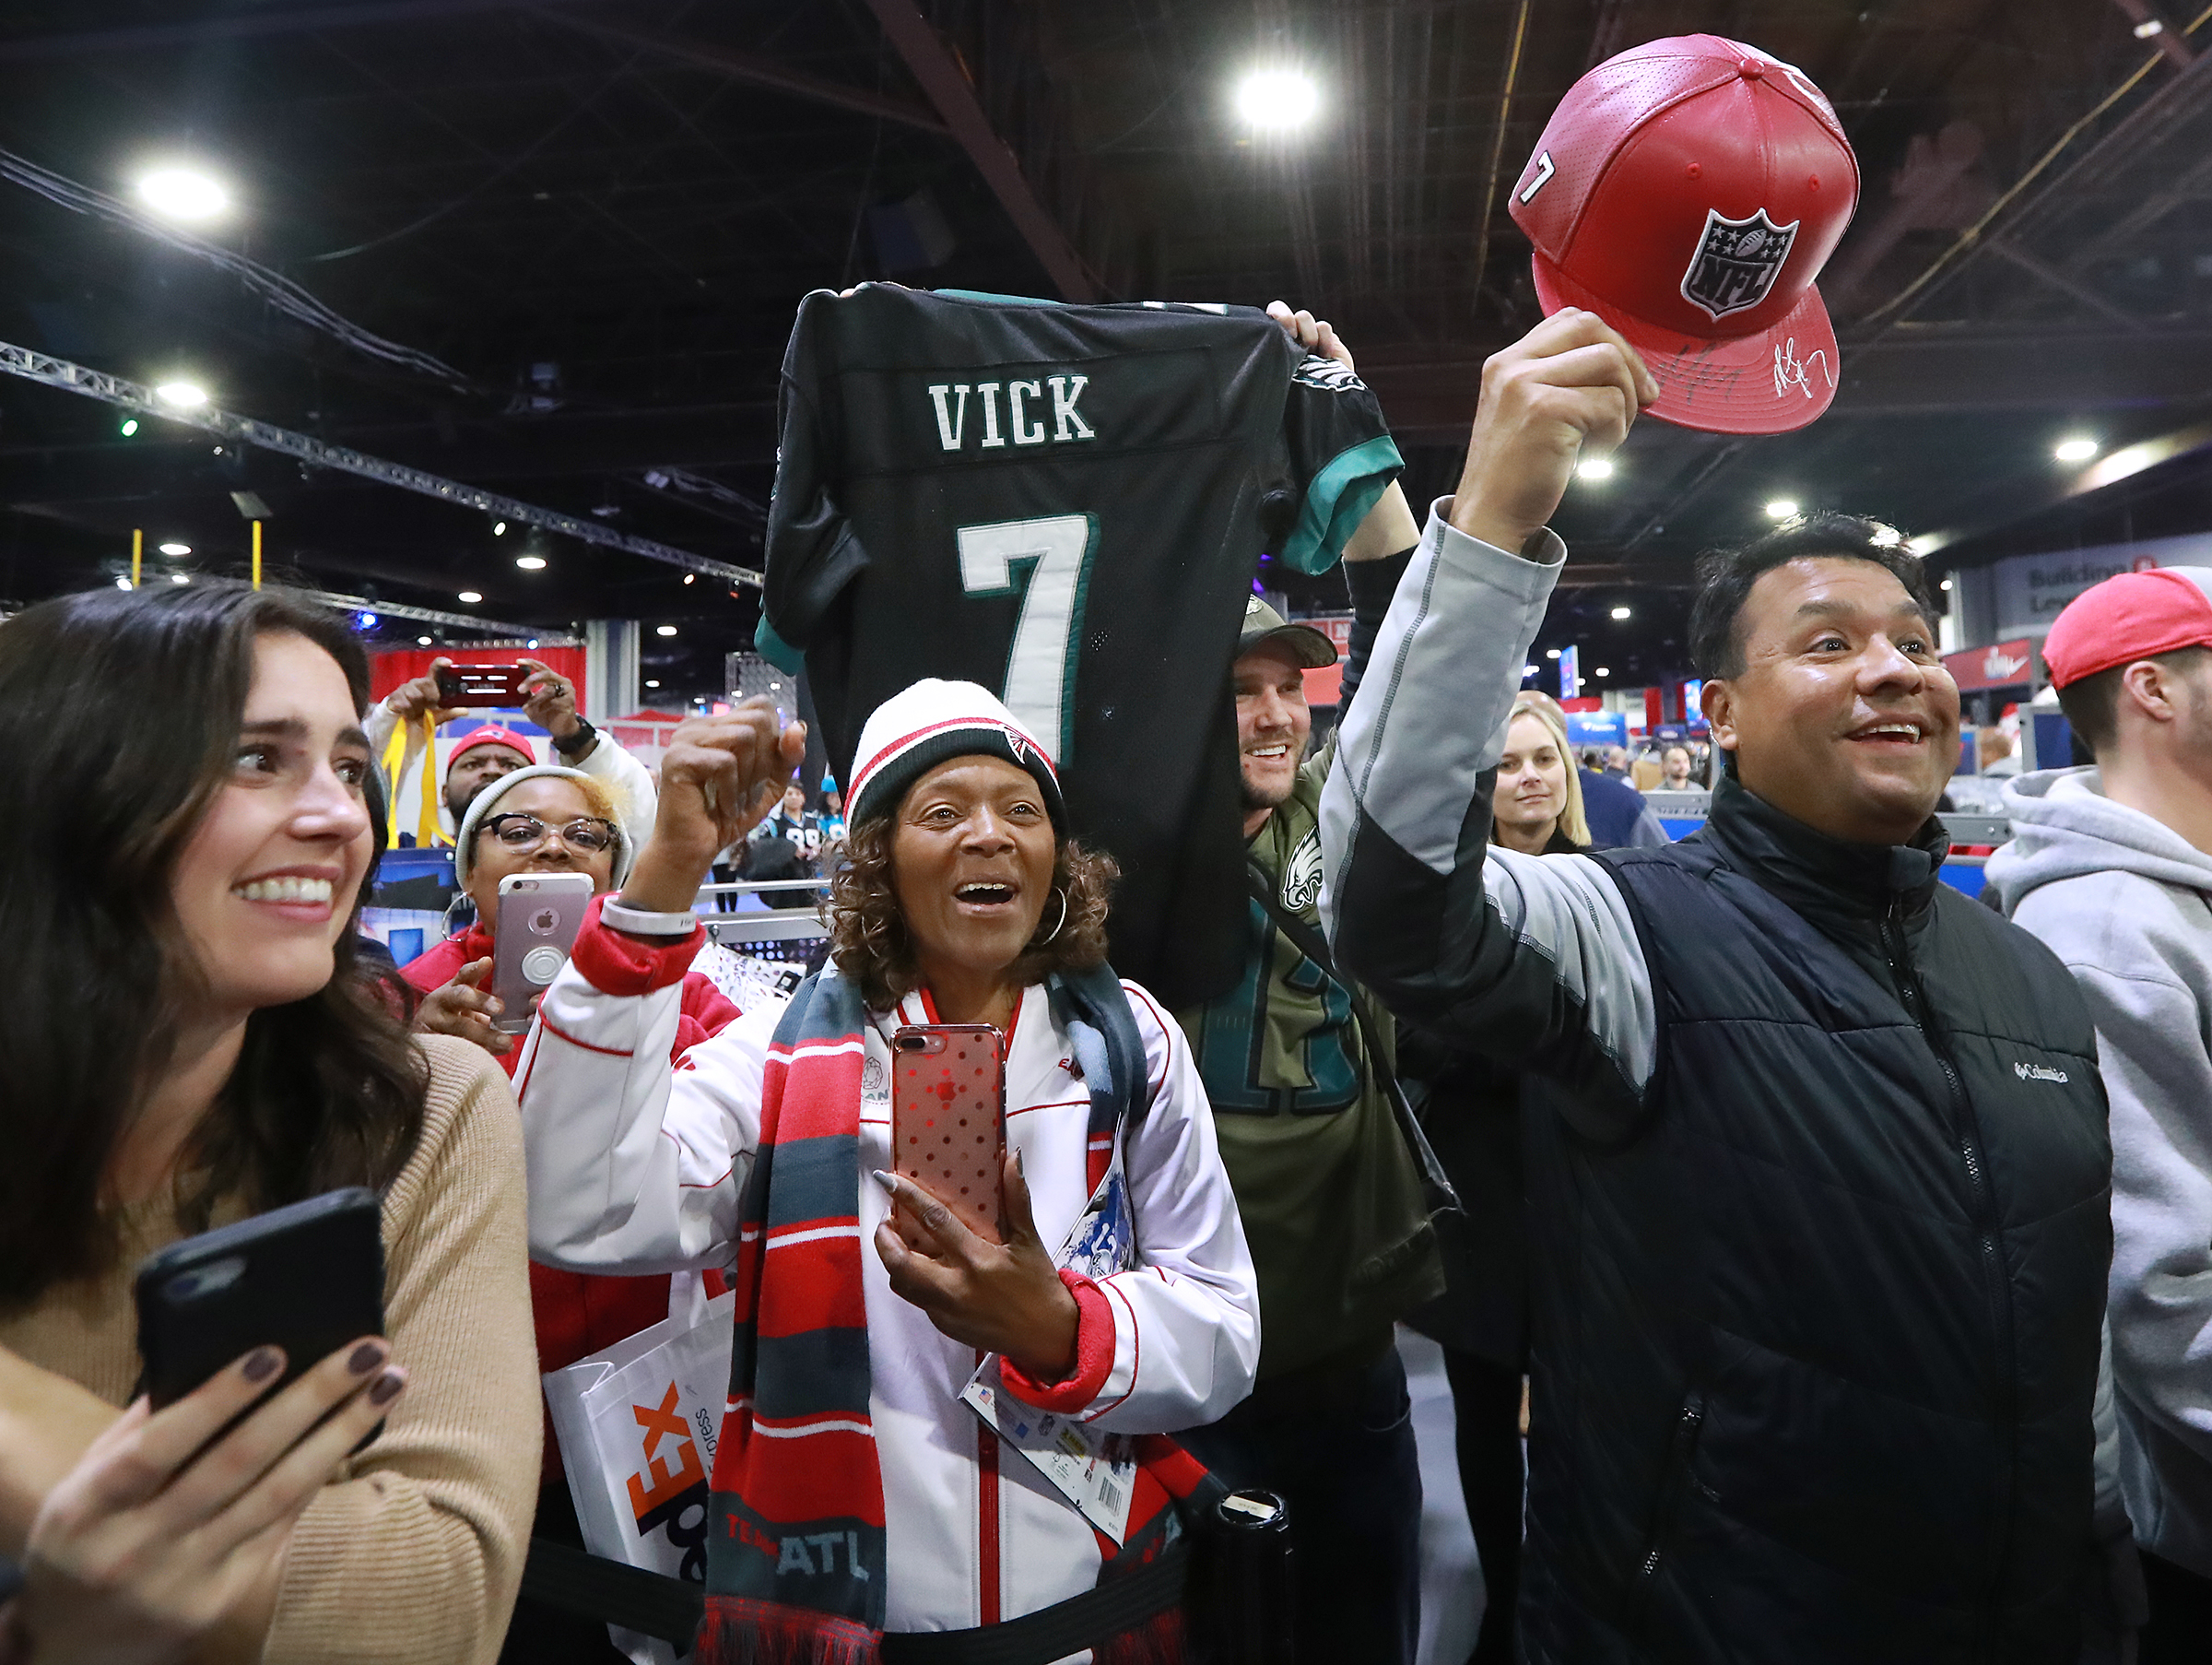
(491, 734)
(2129, 616)
(1687, 191)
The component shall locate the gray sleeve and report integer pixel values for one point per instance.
(1532, 961)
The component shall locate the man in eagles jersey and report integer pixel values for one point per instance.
(1331, 1199)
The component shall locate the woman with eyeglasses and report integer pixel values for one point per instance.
(550, 819)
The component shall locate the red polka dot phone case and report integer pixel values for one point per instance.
(948, 1118)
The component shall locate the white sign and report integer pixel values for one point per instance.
(2031, 590)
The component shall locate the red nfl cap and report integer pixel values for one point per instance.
(491, 734)
(1687, 192)
(2131, 616)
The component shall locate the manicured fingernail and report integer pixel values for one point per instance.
(886, 1180)
(385, 1388)
(262, 1363)
(366, 1357)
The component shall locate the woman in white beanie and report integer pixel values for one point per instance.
(853, 1492)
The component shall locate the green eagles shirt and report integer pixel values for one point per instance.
(1330, 1195)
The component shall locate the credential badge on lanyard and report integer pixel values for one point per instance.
(1093, 1470)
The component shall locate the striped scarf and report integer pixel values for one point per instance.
(795, 1561)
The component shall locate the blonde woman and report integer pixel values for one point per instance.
(1537, 806)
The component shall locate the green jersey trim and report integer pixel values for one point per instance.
(1338, 500)
(775, 650)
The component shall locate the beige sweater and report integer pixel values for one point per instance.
(414, 1550)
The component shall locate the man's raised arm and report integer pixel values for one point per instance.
(1529, 959)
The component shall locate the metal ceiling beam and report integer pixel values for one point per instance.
(314, 20)
(131, 395)
(431, 615)
(943, 79)
(760, 72)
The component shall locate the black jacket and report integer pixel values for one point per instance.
(1821, 1218)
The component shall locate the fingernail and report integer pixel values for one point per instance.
(495, 1005)
(366, 1357)
(886, 1180)
(262, 1363)
(385, 1388)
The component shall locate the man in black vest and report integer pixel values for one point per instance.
(1817, 1163)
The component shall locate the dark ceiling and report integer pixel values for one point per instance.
(599, 218)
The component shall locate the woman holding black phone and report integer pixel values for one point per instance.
(190, 1043)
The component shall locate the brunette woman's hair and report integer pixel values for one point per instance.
(123, 713)
(868, 936)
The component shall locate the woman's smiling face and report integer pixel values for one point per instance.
(267, 880)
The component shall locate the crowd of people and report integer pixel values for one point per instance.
(1764, 1182)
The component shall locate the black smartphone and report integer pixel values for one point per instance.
(308, 1278)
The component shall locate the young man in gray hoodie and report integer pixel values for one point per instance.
(2112, 867)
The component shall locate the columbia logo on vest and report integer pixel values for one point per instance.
(2036, 1073)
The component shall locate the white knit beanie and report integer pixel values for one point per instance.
(913, 731)
(464, 848)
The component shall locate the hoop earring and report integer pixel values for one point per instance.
(1052, 936)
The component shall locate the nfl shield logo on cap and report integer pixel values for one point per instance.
(1687, 192)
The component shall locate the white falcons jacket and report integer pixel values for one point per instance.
(636, 1167)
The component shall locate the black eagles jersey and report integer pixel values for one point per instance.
(1066, 504)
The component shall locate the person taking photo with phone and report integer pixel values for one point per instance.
(483, 755)
(854, 1494)
(191, 1043)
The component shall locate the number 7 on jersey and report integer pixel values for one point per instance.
(1047, 563)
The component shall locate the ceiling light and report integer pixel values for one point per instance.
(533, 641)
(184, 396)
(122, 584)
(1621, 612)
(1551, 653)
(173, 547)
(2150, 28)
(530, 563)
(652, 681)
(1527, 671)
(422, 642)
(664, 630)
(1944, 584)
(1604, 670)
(2075, 448)
(1596, 468)
(1277, 99)
(471, 596)
(179, 578)
(1781, 508)
(183, 194)
(130, 426)
(499, 528)
(690, 577)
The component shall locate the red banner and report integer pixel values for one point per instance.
(2002, 665)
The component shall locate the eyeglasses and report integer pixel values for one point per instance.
(586, 832)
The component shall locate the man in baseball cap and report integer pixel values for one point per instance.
(1687, 192)
(2112, 867)
(1331, 1202)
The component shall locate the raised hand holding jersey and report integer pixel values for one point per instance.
(1064, 503)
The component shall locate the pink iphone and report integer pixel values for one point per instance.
(948, 1118)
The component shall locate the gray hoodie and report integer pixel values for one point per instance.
(2127, 904)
